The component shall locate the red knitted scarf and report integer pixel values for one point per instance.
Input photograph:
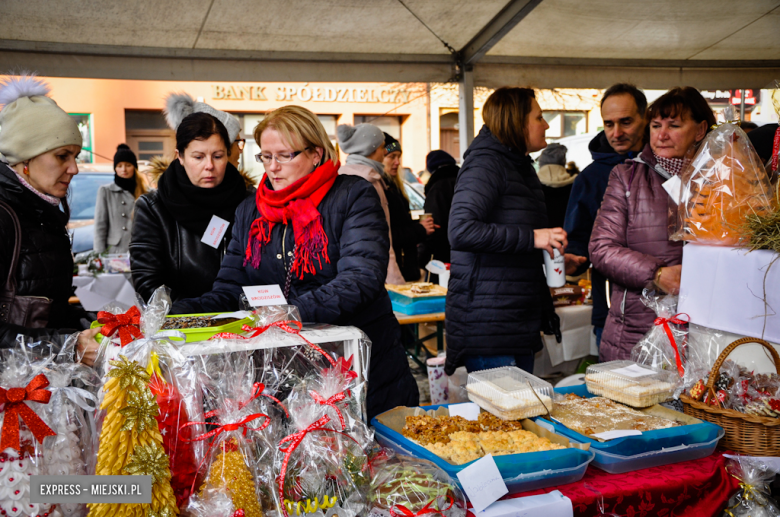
(296, 204)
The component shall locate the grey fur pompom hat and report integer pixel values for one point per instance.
(179, 105)
(362, 139)
(31, 122)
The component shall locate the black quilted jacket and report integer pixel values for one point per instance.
(46, 264)
(495, 302)
(349, 290)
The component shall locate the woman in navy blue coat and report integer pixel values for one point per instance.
(323, 238)
(498, 298)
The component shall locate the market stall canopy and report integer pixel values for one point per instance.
(545, 43)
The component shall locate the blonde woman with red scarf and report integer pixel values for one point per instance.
(323, 239)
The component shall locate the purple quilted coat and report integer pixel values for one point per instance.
(628, 244)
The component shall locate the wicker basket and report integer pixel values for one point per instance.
(748, 434)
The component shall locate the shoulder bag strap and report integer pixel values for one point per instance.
(9, 289)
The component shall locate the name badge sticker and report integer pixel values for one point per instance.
(215, 231)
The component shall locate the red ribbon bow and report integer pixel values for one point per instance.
(284, 325)
(425, 510)
(127, 325)
(677, 321)
(338, 397)
(257, 391)
(16, 408)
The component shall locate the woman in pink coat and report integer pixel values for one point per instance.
(630, 244)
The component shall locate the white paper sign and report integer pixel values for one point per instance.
(468, 410)
(482, 483)
(612, 435)
(554, 504)
(672, 187)
(262, 295)
(215, 231)
(633, 371)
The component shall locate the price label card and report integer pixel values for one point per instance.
(633, 371)
(467, 410)
(215, 231)
(262, 295)
(611, 435)
(482, 483)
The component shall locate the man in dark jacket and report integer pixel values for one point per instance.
(438, 200)
(623, 110)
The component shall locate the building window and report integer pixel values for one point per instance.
(566, 123)
(390, 125)
(84, 121)
(148, 135)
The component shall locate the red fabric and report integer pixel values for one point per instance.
(698, 488)
(297, 204)
(173, 414)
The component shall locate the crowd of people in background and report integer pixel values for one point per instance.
(331, 235)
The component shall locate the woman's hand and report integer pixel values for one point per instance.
(427, 223)
(87, 347)
(549, 239)
(573, 262)
(669, 280)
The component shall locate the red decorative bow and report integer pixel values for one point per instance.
(16, 408)
(338, 397)
(425, 510)
(127, 325)
(284, 325)
(677, 321)
(257, 391)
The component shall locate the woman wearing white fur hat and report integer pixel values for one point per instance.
(39, 143)
(197, 195)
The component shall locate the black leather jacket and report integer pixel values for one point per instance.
(45, 261)
(162, 252)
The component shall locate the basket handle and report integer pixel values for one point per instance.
(725, 354)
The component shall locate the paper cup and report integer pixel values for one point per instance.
(555, 269)
(438, 380)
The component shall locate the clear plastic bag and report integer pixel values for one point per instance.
(243, 429)
(723, 183)
(753, 498)
(409, 486)
(46, 426)
(663, 347)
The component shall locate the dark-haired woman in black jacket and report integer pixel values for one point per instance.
(199, 186)
(498, 298)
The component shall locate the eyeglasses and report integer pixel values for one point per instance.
(241, 143)
(265, 158)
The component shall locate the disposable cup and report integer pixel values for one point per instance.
(555, 269)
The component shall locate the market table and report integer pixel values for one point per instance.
(435, 317)
(698, 488)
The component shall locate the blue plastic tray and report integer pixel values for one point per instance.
(521, 472)
(412, 306)
(651, 449)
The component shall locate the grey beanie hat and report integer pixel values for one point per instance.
(179, 105)
(31, 122)
(362, 139)
(553, 154)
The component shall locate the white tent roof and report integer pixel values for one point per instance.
(543, 43)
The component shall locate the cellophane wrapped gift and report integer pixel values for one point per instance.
(409, 486)
(242, 423)
(723, 183)
(664, 345)
(753, 499)
(174, 388)
(46, 426)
